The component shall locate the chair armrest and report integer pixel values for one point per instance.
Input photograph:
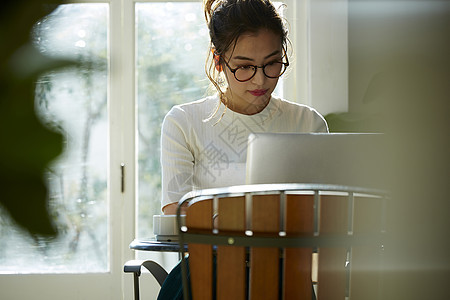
(134, 266)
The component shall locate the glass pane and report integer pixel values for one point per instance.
(74, 102)
(172, 41)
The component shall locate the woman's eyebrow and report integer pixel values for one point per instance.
(272, 54)
(251, 59)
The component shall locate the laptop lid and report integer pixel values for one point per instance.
(352, 159)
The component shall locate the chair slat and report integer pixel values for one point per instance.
(264, 273)
(231, 268)
(298, 261)
(331, 273)
(201, 268)
(200, 256)
(333, 214)
(300, 214)
(366, 260)
(265, 262)
(331, 270)
(231, 261)
(297, 274)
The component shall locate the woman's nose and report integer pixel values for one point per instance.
(259, 77)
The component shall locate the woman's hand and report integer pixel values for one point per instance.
(170, 209)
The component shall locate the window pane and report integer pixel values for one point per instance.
(172, 41)
(74, 102)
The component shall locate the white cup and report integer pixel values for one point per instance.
(165, 226)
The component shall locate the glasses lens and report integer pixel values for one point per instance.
(245, 73)
(274, 70)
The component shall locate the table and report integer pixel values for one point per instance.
(151, 244)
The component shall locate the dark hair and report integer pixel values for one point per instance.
(227, 20)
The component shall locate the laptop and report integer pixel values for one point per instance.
(352, 159)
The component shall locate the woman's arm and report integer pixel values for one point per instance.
(177, 160)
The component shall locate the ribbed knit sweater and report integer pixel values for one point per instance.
(199, 152)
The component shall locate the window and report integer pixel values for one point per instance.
(78, 103)
(171, 47)
(74, 102)
(172, 41)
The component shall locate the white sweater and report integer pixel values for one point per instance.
(196, 154)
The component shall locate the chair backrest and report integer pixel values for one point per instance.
(261, 244)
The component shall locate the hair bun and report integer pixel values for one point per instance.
(209, 6)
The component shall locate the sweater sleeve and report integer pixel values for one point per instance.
(319, 124)
(177, 159)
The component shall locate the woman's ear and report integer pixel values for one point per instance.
(216, 58)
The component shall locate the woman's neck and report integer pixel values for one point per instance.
(247, 109)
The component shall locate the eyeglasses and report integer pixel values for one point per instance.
(271, 70)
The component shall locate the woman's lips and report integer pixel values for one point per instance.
(258, 92)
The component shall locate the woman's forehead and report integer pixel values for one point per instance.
(256, 45)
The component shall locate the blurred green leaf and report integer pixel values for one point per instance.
(27, 146)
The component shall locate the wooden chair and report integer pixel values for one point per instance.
(257, 241)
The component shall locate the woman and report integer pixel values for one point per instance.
(204, 143)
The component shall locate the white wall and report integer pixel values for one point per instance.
(329, 56)
(320, 69)
(409, 42)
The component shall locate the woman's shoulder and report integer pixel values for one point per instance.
(290, 106)
(190, 114)
(197, 107)
(301, 114)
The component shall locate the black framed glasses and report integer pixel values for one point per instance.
(271, 70)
